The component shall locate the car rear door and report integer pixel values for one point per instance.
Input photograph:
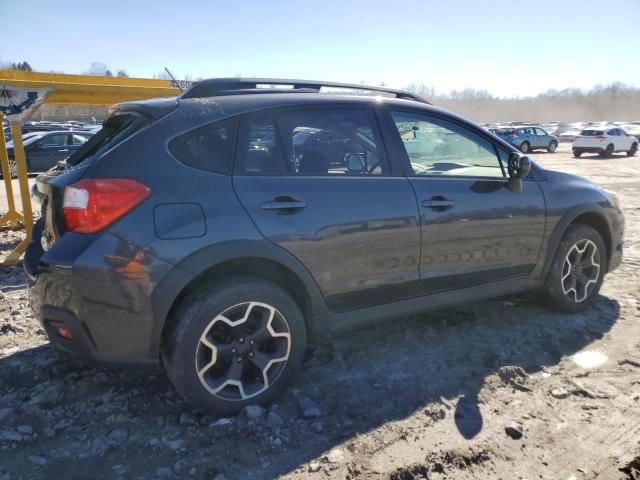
(46, 152)
(345, 213)
(475, 229)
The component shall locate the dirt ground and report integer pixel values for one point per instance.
(499, 389)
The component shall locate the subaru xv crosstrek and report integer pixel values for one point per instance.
(216, 232)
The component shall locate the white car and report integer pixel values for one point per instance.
(605, 141)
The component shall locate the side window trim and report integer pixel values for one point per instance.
(399, 152)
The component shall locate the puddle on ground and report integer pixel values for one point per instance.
(589, 359)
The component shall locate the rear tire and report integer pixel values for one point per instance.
(577, 153)
(234, 343)
(607, 152)
(577, 271)
(633, 150)
(552, 146)
(525, 147)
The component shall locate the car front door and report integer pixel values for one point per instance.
(542, 138)
(46, 152)
(624, 140)
(352, 221)
(475, 228)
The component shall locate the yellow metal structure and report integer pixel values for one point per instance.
(89, 89)
(64, 90)
(12, 216)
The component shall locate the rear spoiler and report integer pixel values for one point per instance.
(153, 109)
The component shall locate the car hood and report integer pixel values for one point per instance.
(563, 177)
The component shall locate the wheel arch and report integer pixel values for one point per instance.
(257, 258)
(593, 216)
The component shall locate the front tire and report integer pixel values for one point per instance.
(577, 153)
(234, 343)
(633, 150)
(525, 147)
(552, 146)
(578, 269)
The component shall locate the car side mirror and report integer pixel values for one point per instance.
(519, 167)
(355, 162)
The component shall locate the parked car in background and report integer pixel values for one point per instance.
(215, 237)
(632, 129)
(528, 138)
(604, 141)
(555, 128)
(43, 150)
(569, 135)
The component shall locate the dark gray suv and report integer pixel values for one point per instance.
(218, 231)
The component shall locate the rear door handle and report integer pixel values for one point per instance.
(283, 204)
(438, 203)
(64, 150)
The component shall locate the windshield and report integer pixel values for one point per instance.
(591, 133)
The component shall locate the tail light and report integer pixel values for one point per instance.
(90, 205)
(600, 138)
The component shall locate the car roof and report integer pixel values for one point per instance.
(236, 104)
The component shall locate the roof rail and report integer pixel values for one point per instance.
(215, 87)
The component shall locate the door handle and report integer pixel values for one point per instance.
(283, 204)
(64, 150)
(438, 203)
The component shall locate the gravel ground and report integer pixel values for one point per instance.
(497, 389)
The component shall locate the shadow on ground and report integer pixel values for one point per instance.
(360, 381)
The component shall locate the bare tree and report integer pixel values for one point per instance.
(97, 68)
(122, 74)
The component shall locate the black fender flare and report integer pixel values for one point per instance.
(568, 217)
(169, 288)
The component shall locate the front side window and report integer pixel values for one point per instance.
(439, 148)
(312, 142)
(540, 132)
(206, 148)
(58, 140)
(78, 139)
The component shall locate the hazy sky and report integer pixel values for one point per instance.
(507, 47)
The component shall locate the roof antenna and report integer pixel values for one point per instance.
(173, 79)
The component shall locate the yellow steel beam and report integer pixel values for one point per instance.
(89, 89)
(18, 150)
(11, 216)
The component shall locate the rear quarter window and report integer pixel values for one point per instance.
(115, 129)
(207, 148)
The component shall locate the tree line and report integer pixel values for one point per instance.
(614, 102)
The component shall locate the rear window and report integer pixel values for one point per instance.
(207, 148)
(591, 133)
(115, 129)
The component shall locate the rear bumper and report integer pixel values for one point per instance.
(588, 149)
(88, 285)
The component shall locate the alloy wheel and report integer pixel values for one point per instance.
(243, 351)
(524, 148)
(581, 270)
